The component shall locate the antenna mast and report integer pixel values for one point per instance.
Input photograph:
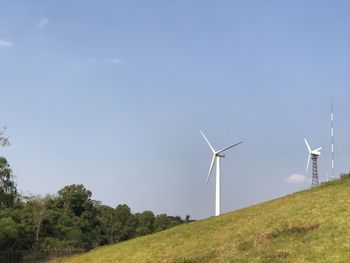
(332, 138)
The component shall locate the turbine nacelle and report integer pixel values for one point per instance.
(316, 152)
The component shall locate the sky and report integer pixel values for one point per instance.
(113, 94)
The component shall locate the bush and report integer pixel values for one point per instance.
(344, 175)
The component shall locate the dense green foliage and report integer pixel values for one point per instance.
(8, 190)
(308, 226)
(68, 220)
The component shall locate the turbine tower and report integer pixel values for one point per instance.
(216, 159)
(314, 155)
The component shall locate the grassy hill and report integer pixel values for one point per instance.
(308, 226)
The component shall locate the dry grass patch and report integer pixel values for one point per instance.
(294, 228)
(262, 242)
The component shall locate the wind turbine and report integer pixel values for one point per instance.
(216, 159)
(314, 155)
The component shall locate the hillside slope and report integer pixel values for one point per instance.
(308, 226)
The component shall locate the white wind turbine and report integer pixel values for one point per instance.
(216, 158)
(314, 155)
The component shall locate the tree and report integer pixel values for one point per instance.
(8, 190)
(8, 234)
(36, 208)
(145, 222)
(163, 221)
(75, 199)
(78, 220)
(126, 223)
(109, 224)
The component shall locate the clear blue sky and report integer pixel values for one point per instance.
(112, 94)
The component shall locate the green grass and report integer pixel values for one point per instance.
(308, 226)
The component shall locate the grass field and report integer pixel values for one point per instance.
(308, 226)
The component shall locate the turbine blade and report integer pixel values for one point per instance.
(211, 147)
(318, 149)
(222, 150)
(308, 162)
(307, 145)
(210, 170)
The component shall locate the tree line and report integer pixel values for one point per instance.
(68, 220)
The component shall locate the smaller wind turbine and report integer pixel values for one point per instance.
(313, 154)
(216, 159)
